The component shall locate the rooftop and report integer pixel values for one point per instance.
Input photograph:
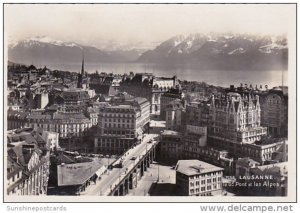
(275, 169)
(194, 167)
(170, 132)
(247, 162)
(77, 173)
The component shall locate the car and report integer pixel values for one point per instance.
(133, 158)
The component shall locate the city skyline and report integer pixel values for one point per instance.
(204, 115)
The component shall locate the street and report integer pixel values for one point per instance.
(103, 186)
(165, 174)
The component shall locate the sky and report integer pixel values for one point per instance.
(94, 24)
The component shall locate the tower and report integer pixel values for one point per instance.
(81, 74)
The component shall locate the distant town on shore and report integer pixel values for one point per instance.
(139, 134)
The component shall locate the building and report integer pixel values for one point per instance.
(243, 166)
(166, 98)
(235, 121)
(121, 125)
(262, 151)
(92, 114)
(106, 84)
(274, 112)
(273, 104)
(16, 119)
(257, 180)
(197, 113)
(170, 146)
(28, 160)
(198, 178)
(41, 100)
(74, 178)
(52, 138)
(174, 115)
(66, 124)
(72, 100)
(195, 137)
(148, 86)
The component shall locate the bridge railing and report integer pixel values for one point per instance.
(136, 164)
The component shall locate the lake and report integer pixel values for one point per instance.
(215, 77)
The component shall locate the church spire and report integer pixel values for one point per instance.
(82, 66)
(81, 74)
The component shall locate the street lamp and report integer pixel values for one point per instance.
(157, 173)
(107, 164)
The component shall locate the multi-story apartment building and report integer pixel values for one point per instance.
(16, 119)
(191, 144)
(197, 178)
(235, 119)
(72, 100)
(28, 160)
(68, 114)
(166, 98)
(235, 125)
(120, 126)
(274, 107)
(170, 146)
(106, 84)
(66, 124)
(148, 86)
(197, 113)
(175, 115)
(274, 112)
(195, 137)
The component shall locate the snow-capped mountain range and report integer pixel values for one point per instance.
(45, 50)
(210, 51)
(228, 51)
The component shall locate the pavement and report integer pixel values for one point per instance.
(113, 177)
(148, 184)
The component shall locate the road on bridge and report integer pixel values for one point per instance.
(108, 181)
